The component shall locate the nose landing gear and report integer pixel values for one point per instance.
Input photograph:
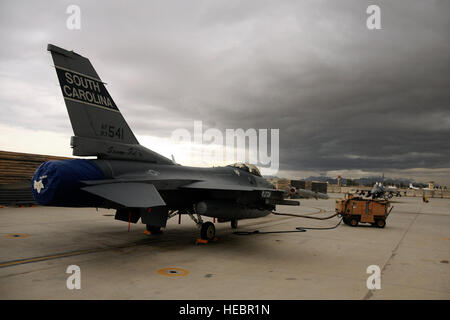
(207, 229)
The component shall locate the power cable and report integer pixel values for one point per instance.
(298, 229)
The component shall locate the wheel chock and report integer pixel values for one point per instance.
(204, 241)
(148, 233)
(201, 241)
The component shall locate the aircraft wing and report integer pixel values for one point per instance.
(177, 183)
(128, 194)
(275, 196)
(232, 187)
(160, 184)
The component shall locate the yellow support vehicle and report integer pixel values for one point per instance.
(355, 210)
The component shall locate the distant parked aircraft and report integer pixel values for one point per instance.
(411, 186)
(303, 193)
(380, 191)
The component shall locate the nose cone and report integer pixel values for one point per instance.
(58, 183)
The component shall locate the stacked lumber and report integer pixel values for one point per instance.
(16, 171)
(283, 184)
(18, 167)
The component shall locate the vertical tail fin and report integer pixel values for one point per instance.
(92, 111)
(99, 127)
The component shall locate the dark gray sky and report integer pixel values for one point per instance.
(345, 98)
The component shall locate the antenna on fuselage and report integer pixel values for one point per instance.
(173, 160)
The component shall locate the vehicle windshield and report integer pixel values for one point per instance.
(247, 167)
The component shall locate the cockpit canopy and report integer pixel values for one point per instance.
(247, 167)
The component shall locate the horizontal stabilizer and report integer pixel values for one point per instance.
(115, 150)
(131, 195)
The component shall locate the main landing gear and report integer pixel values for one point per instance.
(234, 223)
(152, 229)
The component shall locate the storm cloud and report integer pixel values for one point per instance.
(344, 97)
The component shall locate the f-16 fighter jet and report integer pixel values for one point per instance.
(135, 181)
(304, 193)
(380, 191)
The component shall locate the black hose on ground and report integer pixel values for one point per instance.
(298, 229)
(304, 216)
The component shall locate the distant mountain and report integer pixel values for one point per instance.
(270, 177)
(365, 181)
(324, 179)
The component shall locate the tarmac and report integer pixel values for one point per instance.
(38, 244)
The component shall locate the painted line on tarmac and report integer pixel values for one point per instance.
(12, 263)
(49, 257)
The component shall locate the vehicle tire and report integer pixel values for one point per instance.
(381, 223)
(234, 223)
(353, 222)
(153, 229)
(208, 231)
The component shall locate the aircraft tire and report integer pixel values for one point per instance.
(208, 231)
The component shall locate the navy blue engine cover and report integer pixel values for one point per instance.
(57, 183)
